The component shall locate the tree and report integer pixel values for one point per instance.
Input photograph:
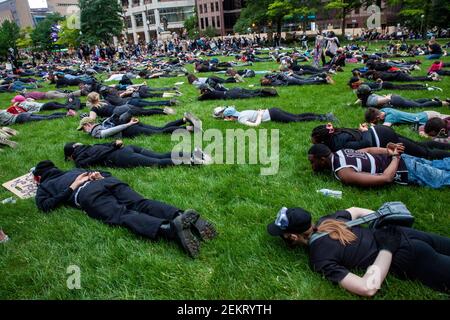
(101, 20)
(9, 34)
(253, 15)
(41, 35)
(25, 40)
(191, 26)
(344, 7)
(420, 15)
(68, 37)
(260, 13)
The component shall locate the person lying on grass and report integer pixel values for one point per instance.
(290, 79)
(104, 109)
(376, 167)
(389, 116)
(375, 136)
(436, 128)
(378, 85)
(207, 93)
(106, 198)
(18, 116)
(254, 118)
(133, 128)
(117, 155)
(403, 251)
(369, 99)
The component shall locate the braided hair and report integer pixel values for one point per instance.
(324, 133)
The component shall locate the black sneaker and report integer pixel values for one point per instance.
(183, 234)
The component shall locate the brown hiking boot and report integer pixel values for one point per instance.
(9, 143)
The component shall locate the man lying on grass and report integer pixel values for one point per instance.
(254, 118)
(405, 252)
(375, 167)
(117, 155)
(112, 201)
(389, 116)
(133, 128)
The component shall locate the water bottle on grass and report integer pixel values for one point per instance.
(331, 193)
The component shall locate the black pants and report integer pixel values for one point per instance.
(401, 76)
(54, 106)
(138, 111)
(400, 102)
(147, 130)
(305, 81)
(147, 94)
(409, 86)
(133, 156)
(425, 257)
(443, 72)
(213, 81)
(144, 103)
(28, 117)
(115, 203)
(417, 149)
(279, 115)
(240, 93)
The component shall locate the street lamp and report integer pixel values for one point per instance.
(421, 25)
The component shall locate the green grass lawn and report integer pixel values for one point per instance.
(244, 262)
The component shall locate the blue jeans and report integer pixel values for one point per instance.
(434, 56)
(431, 173)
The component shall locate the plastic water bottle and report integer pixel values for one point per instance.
(9, 200)
(331, 193)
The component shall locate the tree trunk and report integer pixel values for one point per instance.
(279, 27)
(344, 13)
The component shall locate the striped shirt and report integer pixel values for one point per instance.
(366, 162)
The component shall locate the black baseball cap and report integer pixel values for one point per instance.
(292, 220)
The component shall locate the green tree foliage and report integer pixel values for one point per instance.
(41, 35)
(259, 13)
(191, 26)
(344, 7)
(25, 40)
(9, 34)
(101, 20)
(420, 15)
(68, 37)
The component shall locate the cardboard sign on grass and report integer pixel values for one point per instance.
(24, 187)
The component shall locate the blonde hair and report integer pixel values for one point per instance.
(93, 100)
(337, 230)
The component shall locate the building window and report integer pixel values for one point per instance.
(217, 6)
(213, 21)
(205, 7)
(200, 7)
(357, 11)
(177, 14)
(202, 24)
(128, 22)
(151, 17)
(139, 20)
(218, 21)
(135, 3)
(212, 7)
(206, 22)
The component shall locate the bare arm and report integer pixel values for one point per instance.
(370, 283)
(362, 179)
(257, 122)
(92, 115)
(356, 212)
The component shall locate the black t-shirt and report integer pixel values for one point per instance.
(334, 260)
(435, 48)
(104, 111)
